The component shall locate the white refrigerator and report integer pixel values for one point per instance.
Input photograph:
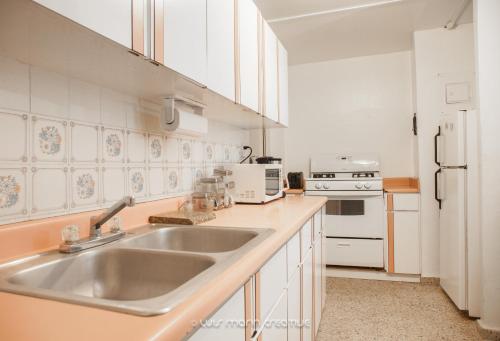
(456, 188)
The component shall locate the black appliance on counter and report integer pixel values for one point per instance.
(295, 180)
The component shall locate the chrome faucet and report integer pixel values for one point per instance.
(96, 237)
(97, 222)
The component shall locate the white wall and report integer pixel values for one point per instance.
(487, 14)
(353, 105)
(441, 56)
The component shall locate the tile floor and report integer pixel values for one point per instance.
(380, 310)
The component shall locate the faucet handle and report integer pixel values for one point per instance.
(70, 234)
(115, 224)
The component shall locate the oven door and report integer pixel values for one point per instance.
(355, 214)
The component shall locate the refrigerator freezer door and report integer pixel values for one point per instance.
(453, 265)
(452, 141)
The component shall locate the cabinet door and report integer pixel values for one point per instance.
(317, 285)
(406, 242)
(220, 47)
(185, 38)
(305, 238)
(323, 257)
(323, 270)
(274, 328)
(307, 296)
(270, 73)
(110, 18)
(248, 54)
(283, 84)
(293, 254)
(273, 279)
(232, 310)
(293, 295)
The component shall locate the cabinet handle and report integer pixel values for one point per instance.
(343, 244)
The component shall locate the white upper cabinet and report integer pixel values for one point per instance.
(110, 18)
(220, 47)
(283, 84)
(270, 73)
(185, 38)
(248, 52)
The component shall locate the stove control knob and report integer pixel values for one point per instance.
(318, 186)
(368, 185)
(326, 186)
(359, 185)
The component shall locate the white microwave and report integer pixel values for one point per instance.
(256, 183)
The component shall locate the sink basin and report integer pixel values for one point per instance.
(115, 274)
(148, 272)
(193, 239)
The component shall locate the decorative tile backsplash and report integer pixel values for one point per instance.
(79, 147)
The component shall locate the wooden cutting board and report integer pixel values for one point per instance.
(180, 218)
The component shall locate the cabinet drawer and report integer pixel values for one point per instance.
(273, 279)
(355, 252)
(293, 254)
(305, 238)
(406, 202)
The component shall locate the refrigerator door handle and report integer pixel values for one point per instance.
(436, 146)
(436, 187)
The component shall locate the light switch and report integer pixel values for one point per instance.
(457, 93)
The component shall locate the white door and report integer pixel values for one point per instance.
(270, 73)
(186, 38)
(283, 84)
(217, 327)
(220, 47)
(248, 54)
(110, 18)
(453, 235)
(355, 216)
(453, 130)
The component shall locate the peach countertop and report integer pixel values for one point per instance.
(28, 318)
(401, 185)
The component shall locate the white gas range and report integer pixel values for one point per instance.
(354, 210)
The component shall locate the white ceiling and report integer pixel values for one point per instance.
(319, 30)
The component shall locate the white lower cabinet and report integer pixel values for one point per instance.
(219, 327)
(317, 285)
(403, 233)
(323, 257)
(406, 242)
(273, 279)
(275, 327)
(289, 291)
(293, 295)
(307, 296)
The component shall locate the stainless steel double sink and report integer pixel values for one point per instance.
(149, 272)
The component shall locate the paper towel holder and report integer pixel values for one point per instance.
(171, 101)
